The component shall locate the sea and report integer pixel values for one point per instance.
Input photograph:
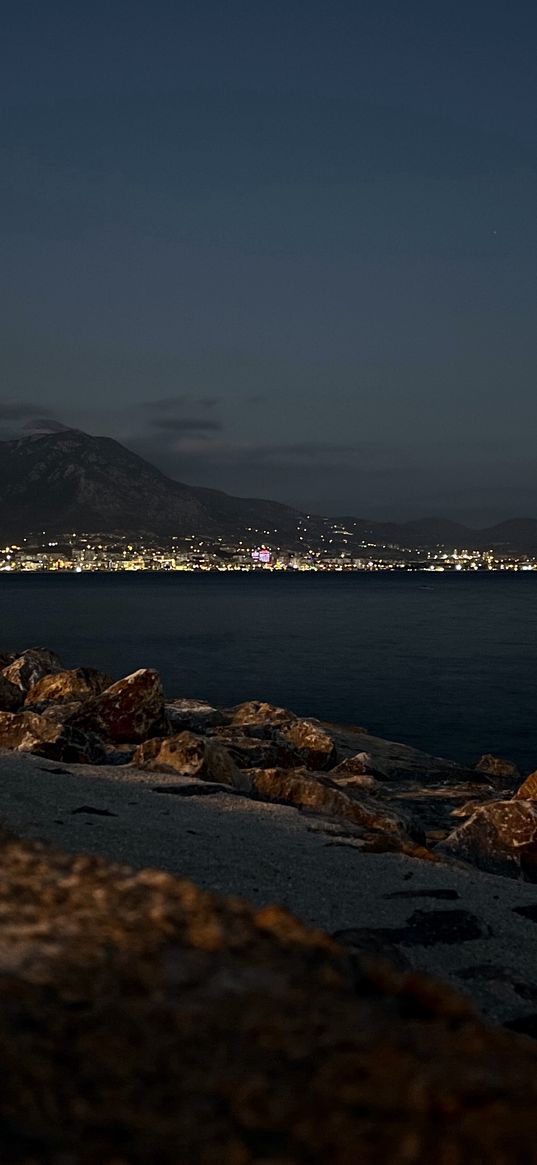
(445, 662)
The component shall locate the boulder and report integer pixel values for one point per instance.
(353, 772)
(305, 791)
(11, 696)
(391, 761)
(252, 751)
(259, 713)
(314, 744)
(527, 791)
(192, 716)
(130, 710)
(29, 667)
(145, 1020)
(28, 732)
(500, 837)
(435, 805)
(497, 768)
(188, 755)
(60, 713)
(78, 683)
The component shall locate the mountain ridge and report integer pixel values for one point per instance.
(70, 481)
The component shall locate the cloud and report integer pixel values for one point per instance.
(179, 425)
(46, 424)
(171, 404)
(12, 410)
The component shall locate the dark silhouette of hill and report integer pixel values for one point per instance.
(68, 481)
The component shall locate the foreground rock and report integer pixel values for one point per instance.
(79, 683)
(314, 744)
(391, 761)
(11, 695)
(188, 755)
(28, 732)
(185, 715)
(130, 710)
(251, 749)
(257, 712)
(29, 667)
(142, 1020)
(527, 791)
(382, 828)
(500, 837)
(499, 769)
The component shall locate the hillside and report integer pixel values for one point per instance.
(70, 481)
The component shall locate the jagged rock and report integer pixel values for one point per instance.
(353, 772)
(192, 716)
(143, 1020)
(393, 762)
(501, 770)
(188, 755)
(77, 683)
(130, 710)
(11, 696)
(60, 713)
(28, 732)
(300, 788)
(500, 837)
(527, 791)
(314, 744)
(260, 713)
(434, 806)
(30, 666)
(252, 751)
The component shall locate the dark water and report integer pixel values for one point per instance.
(446, 662)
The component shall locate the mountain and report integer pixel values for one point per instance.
(68, 481)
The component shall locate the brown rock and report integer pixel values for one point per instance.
(496, 767)
(60, 713)
(302, 789)
(77, 683)
(28, 732)
(130, 710)
(192, 716)
(143, 1020)
(11, 696)
(314, 744)
(29, 667)
(257, 752)
(392, 761)
(354, 772)
(500, 837)
(259, 713)
(188, 755)
(527, 791)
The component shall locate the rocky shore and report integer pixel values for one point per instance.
(141, 1013)
(387, 797)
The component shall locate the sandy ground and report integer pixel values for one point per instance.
(270, 853)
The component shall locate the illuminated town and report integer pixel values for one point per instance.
(339, 551)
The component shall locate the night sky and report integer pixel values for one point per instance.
(280, 247)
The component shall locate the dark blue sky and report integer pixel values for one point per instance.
(280, 248)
